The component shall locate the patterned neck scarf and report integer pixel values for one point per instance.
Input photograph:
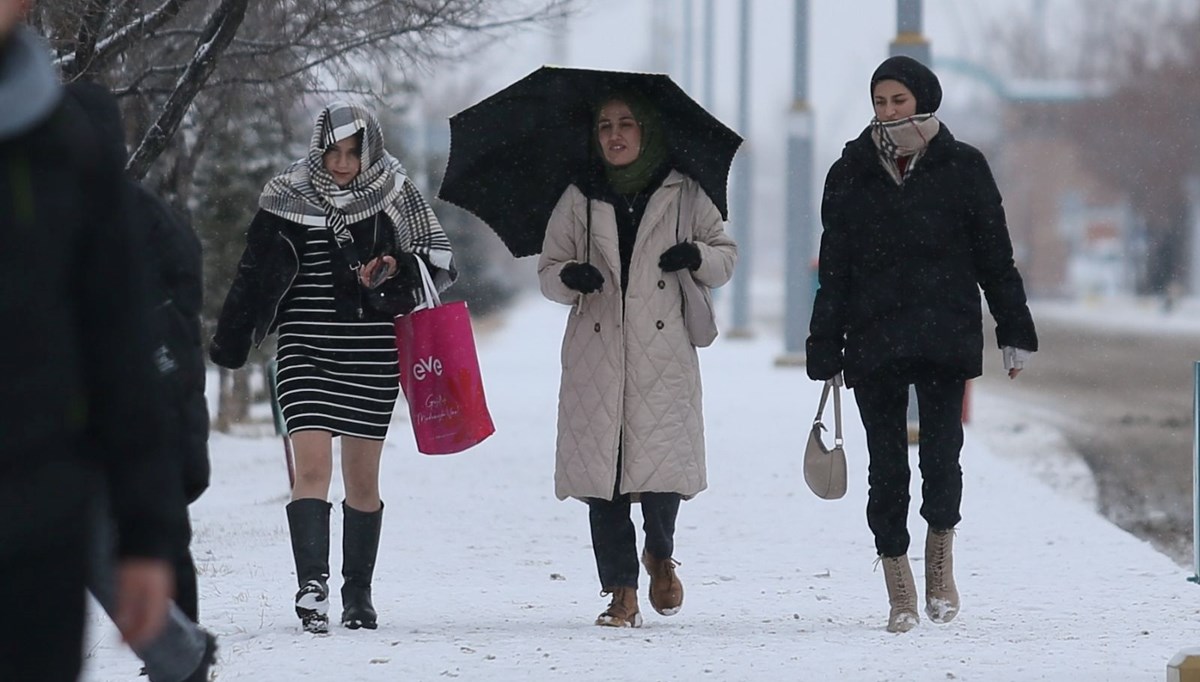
(306, 193)
(906, 137)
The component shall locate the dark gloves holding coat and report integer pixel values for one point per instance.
(582, 277)
(682, 255)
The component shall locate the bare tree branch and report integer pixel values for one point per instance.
(123, 38)
(89, 33)
(282, 50)
(217, 36)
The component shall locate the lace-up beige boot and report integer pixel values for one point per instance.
(902, 593)
(623, 611)
(666, 591)
(941, 594)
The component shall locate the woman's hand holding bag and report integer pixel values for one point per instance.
(825, 468)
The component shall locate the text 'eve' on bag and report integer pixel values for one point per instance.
(825, 468)
(699, 318)
(439, 374)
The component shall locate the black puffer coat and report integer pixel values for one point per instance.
(176, 289)
(901, 266)
(178, 282)
(269, 265)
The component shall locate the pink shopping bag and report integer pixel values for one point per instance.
(439, 374)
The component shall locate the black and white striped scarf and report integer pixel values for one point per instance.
(305, 193)
(906, 137)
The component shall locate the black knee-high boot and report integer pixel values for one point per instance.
(308, 521)
(360, 546)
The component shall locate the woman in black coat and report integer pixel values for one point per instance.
(913, 228)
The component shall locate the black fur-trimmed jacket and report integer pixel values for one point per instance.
(269, 265)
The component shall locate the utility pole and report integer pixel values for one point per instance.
(710, 50)
(909, 39)
(689, 52)
(559, 38)
(661, 37)
(798, 279)
(743, 183)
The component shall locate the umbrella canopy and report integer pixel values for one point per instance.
(514, 154)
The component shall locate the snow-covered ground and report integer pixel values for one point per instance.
(483, 575)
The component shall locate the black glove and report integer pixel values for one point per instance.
(682, 255)
(227, 357)
(824, 360)
(582, 277)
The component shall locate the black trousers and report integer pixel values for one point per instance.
(614, 539)
(883, 404)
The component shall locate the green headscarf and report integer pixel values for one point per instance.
(634, 177)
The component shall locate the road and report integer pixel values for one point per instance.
(1124, 402)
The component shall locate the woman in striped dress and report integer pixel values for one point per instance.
(329, 262)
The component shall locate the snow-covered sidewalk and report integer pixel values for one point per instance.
(484, 575)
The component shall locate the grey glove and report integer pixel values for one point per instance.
(1015, 358)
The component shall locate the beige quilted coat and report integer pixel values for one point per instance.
(628, 369)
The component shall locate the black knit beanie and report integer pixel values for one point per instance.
(915, 76)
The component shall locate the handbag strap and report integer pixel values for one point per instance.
(432, 300)
(679, 220)
(678, 213)
(830, 386)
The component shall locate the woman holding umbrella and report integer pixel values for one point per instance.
(913, 229)
(630, 424)
(329, 264)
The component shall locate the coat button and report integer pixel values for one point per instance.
(661, 284)
(659, 324)
(597, 327)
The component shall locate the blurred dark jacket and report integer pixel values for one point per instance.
(176, 288)
(901, 266)
(176, 264)
(78, 389)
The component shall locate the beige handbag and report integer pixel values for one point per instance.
(699, 318)
(825, 469)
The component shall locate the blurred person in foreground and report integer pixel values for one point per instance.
(630, 410)
(182, 651)
(78, 389)
(913, 229)
(330, 261)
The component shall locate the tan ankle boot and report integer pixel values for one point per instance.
(902, 593)
(666, 591)
(623, 611)
(941, 594)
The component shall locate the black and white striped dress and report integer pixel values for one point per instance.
(334, 375)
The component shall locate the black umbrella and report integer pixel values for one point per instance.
(513, 154)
